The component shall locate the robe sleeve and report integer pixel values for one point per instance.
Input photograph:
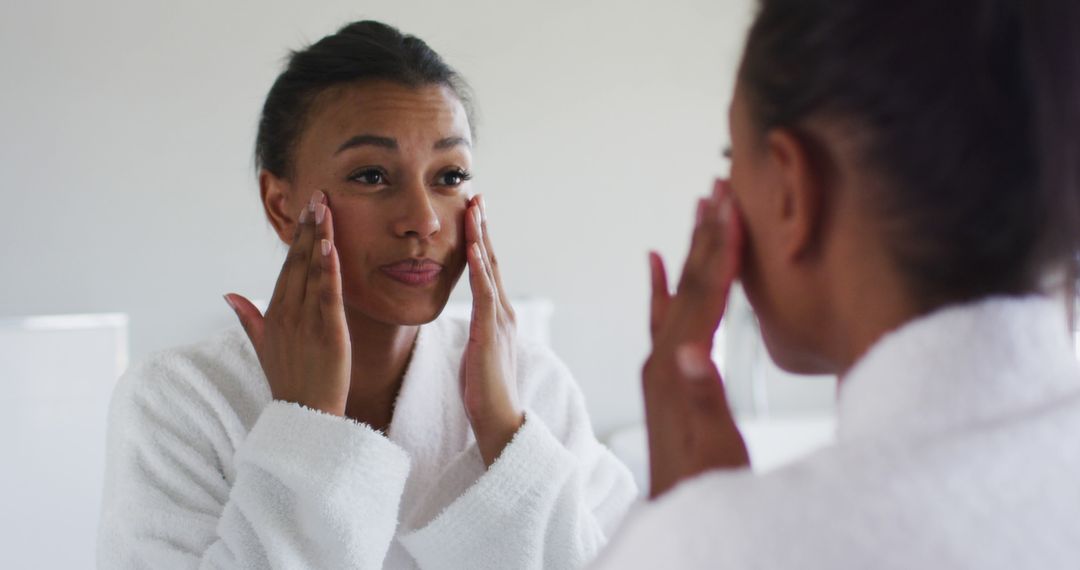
(308, 490)
(550, 500)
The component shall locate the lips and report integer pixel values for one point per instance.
(415, 272)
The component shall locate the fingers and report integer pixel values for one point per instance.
(297, 263)
(281, 285)
(710, 269)
(480, 238)
(250, 317)
(731, 219)
(322, 297)
(661, 297)
(484, 296)
(330, 301)
(490, 259)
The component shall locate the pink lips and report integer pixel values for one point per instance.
(415, 272)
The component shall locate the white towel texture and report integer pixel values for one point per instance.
(958, 447)
(204, 470)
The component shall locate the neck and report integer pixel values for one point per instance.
(870, 300)
(380, 354)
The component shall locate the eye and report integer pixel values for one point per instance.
(369, 176)
(454, 177)
(726, 152)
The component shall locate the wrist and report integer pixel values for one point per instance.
(493, 436)
(332, 408)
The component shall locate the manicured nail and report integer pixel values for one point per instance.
(479, 227)
(229, 302)
(325, 246)
(320, 212)
(692, 363)
(303, 216)
(483, 209)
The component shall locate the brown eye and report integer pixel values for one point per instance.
(368, 176)
(454, 178)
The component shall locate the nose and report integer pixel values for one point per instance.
(418, 218)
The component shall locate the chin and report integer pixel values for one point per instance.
(413, 316)
(792, 358)
(397, 312)
(399, 304)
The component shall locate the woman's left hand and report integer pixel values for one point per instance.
(690, 426)
(488, 368)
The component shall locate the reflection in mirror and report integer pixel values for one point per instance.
(354, 423)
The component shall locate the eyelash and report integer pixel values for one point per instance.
(357, 176)
(463, 175)
(367, 171)
(726, 152)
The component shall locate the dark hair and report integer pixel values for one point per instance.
(359, 51)
(969, 110)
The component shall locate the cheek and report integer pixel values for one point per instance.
(356, 230)
(451, 212)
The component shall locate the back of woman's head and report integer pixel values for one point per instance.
(360, 51)
(968, 111)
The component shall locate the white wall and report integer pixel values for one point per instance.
(126, 141)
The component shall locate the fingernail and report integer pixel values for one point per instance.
(479, 228)
(692, 363)
(229, 302)
(483, 209)
(320, 212)
(725, 211)
(325, 246)
(303, 216)
(314, 200)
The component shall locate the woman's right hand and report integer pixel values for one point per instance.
(303, 340)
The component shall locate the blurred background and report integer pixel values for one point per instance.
(131, 203)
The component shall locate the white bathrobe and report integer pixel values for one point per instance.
(958, 448)
(205, 470)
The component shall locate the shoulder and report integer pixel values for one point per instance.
(808, 515)
(215, 380)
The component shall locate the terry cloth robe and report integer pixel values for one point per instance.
(205, 470)
(958, 448)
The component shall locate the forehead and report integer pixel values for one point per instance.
(418, 115)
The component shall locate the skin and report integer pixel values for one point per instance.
(379, 176)
(817, 269)
(800, 232)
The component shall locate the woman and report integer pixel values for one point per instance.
(348, 428)
(903, 198)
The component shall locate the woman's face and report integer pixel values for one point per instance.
(394, 163)
(781, 286)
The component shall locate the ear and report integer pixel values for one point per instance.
(275, 193)
(800, 191)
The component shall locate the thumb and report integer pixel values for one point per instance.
(717, 437)
(700, 380)
(250, 317)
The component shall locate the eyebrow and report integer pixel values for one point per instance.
(367, 140)
(391, 144)
(451, 142)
